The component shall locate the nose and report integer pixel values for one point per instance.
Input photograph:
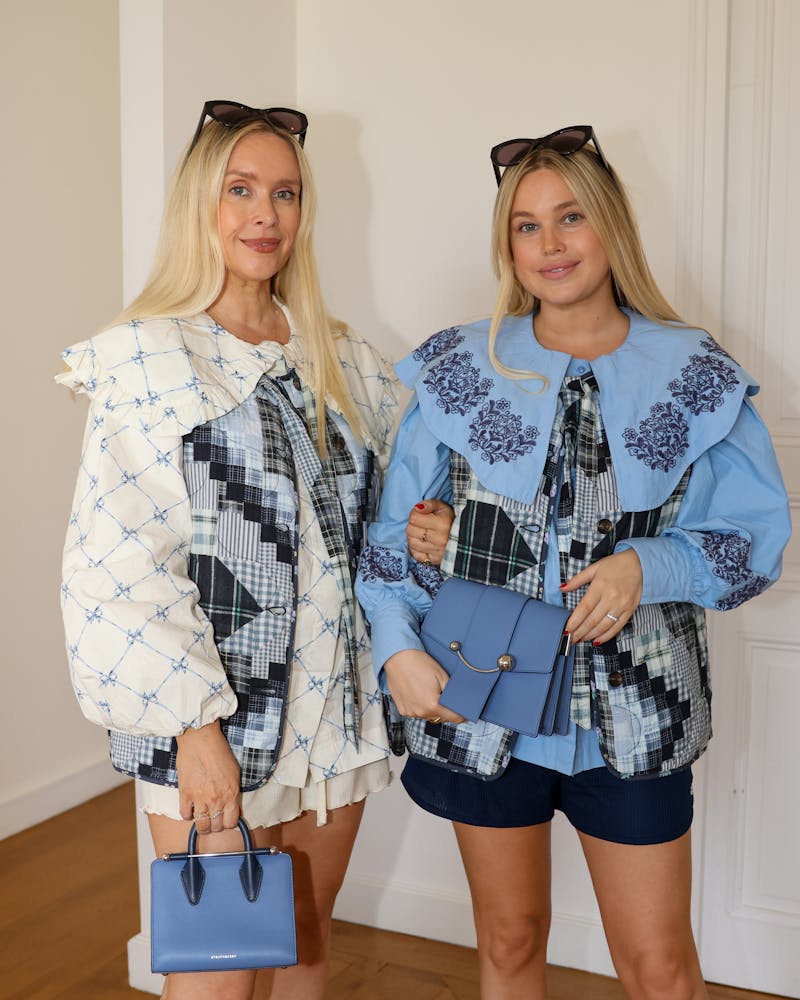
(264, 213)
(552, 242)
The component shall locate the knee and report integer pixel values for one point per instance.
(668, 972)
(511, 945)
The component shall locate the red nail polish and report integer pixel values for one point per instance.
(566, 632)
(597, 643)
(420, 506)
(561, 587)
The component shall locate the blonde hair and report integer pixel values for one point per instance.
(188, 271)
(603, 200)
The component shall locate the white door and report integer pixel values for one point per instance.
(750, 904)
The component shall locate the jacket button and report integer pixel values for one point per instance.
(604, 526)
(614, 679)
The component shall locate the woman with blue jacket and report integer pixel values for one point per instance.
(604, 455)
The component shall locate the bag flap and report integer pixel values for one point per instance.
(489, 622)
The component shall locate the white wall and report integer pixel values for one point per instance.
(60, 275)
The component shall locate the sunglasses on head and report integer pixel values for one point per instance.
(565, 141)
(231, 114)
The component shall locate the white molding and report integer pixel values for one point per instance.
(701, 212)
(139, 975)
(56, 796)
(700, 228)
(747, 234)
(141, 88)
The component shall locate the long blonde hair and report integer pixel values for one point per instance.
(188, 271)
(605, 203)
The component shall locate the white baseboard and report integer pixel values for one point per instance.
(57, 796)
(575, 942)
(407, 909)
(139, 975)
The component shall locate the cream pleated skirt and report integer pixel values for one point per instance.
(275, 803)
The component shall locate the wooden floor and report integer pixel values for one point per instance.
(69, 906)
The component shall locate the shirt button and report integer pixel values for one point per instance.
(581, 369)
(614, 679)
(604, 526)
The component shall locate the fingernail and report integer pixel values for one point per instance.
(597, 643)
(420, 506)
(562, 586)
(566, 632)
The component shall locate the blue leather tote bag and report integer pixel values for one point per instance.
(507, 656)
(211, 912)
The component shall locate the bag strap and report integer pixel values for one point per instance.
(193, 874)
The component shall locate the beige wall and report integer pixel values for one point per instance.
(60, 260)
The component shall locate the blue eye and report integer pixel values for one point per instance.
(573, 217)
(528, 227)
(238, 190)
(286, 194)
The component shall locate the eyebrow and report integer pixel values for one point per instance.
(250, 176)
(558, 208)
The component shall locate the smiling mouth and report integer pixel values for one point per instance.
(556, 272)
(262, 246)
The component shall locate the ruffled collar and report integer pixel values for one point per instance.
(667, 394)
(176, 373)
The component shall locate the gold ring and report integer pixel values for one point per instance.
(427, 560)
(436, 719)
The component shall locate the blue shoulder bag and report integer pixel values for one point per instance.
(507, 656)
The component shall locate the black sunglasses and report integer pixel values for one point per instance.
(565, 141)
(231, 114)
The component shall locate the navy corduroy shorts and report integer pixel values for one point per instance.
(596, 802)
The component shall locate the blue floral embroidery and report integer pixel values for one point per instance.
(754, 586)
(428, 577)
(457, 383)
(728, 554)
(713, 347)
(498, 434)
(444, 340)
(705, 382)
(378, 563)
(662, 438)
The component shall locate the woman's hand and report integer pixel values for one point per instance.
(416, 680)
(428, 530)
(614, 590)
(208, 779)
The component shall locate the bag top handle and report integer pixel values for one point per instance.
(244, 829)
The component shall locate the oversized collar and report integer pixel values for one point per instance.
(175, 373)
(667, 395)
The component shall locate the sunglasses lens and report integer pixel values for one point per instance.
(227, 113)
(291, 121)
(509, 153)
(569, 141)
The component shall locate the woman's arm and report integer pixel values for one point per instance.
(141, 650)
(391, 586)
(724, 548)
(732, 527)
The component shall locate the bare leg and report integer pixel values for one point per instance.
(509, 877)
(644, 894)
(320, 855)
